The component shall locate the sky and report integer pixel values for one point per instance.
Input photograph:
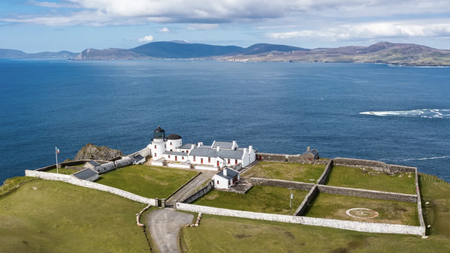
(75, 25)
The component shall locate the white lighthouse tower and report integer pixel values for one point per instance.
(157, 147)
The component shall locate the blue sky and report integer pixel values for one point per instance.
(74, 25)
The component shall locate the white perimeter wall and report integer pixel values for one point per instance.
(340, 224)
(83, 183)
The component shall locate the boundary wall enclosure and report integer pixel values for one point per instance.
(375, 165)
(353, 192)
(323, 178)
(83, 183)
(284, 158)
(281, 183)
(308, 199)
(200, 193)
(340, 224)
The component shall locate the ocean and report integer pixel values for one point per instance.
(398, 115)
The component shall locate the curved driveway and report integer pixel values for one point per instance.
(164, 225)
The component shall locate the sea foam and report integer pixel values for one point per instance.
(419, 113)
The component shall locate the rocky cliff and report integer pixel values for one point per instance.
(90, 151)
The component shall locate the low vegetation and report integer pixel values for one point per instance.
(371, 180)
(287, 171)
(147, 181)
(49, 216)
(62, 171)
(265, 199)
(12, 183)
(245, 235)
(332, 206)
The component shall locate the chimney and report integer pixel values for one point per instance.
(233, 147)
(200, 144)
(308, 149)
(218, 148)
(250, 149)
(225, 171)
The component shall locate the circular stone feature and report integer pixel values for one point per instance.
(362, 213)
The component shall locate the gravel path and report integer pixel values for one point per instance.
(164, 225)
(192, 186)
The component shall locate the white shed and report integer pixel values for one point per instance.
(226, 178)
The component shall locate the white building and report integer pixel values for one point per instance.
(215, 156)
(226, 178)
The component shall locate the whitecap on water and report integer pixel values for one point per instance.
(420, 113)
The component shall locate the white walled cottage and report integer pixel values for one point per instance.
(212, 157)
(226, 178)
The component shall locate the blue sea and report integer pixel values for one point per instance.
(398, 115)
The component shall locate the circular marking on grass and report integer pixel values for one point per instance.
(362, 213)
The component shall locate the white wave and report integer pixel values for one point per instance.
(421, 113)
(426, 158)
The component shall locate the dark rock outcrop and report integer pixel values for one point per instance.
(90, 151)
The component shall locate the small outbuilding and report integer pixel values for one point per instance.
(226, 178)
(138, 159)
(91, 164)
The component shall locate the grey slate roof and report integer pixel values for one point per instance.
(230, 174)
(175, 153)
(314, 152)
(94, 163)
(210, 152)
(138, 157)
(223, 145)
(85, 174)
(187, 146)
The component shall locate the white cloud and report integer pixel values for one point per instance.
(148, 38)
(370, 30)
(164, 30)
(203, 26)
(51, 4)
(108, 12)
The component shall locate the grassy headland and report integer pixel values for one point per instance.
(147, 181)
(48, 216)
(287, 171)
(371, 180)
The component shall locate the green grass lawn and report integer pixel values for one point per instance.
(245, 235)
(332, 206)
(63, 171)
(287, 171)
(147, 181)
(11, 183)
(265, 199)
(59, 217)
(355, 178)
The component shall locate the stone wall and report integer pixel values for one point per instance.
(71, 163)
(340, 224)
(308, 199)
(419, 201)
(281, 183)
(284, 158)
(198, 194)
(367, 193)
(83, 183)
(323, 178)
(375, 165)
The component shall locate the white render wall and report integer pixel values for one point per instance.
(173, 144)
(340, 224)
(83, 183)
(223, 182)
(159, 150)
(179, 165)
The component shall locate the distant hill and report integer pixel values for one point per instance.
(182, 50)
(16, 54)
(382, 52)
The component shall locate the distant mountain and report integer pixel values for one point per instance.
(264, 48)
(16, 54)
(182, 50)
(382, 52)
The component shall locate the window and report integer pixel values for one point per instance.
(201, 160)
(194, 158)
(235, 161)
(217, 181)
(171, 143)
(155, 155)
(169, 156)
(229, 161)
(182, 158)
(171, 150)
(209, 159)
(155, 146)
